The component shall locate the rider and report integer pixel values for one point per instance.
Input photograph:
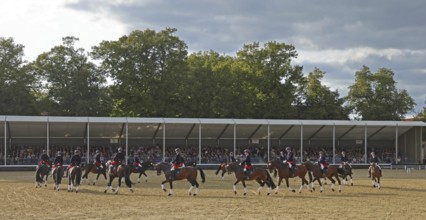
(374, 159)
(322, 162)
(44, 159)
(231, 157)
(344, 160)
(98, 162)
(59, 160)
(290, 160)
(177, 163)
(118, 159)
(136, 161)
(282, 156)
(247, 163)
(75, 160)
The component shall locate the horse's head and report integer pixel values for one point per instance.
(231, 167)
(270, 166)
(159, 167)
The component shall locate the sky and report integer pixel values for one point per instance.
(336, 36)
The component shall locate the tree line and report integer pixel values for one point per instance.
(152, 74)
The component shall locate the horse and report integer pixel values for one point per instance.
(375, 175)
(260, 175)
(222, 167)
(42, 172)
(141, 170)
(315, 170)
(345, 171)
(74, 178)
(120, 172)
(283, 171)
(92, 168)
(57, 173)
(189, 173)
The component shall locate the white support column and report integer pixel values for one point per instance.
(269, 142)
(88, 142)
(199, 142)
(334, 143)
(47, 136)
(5, 141)
(235, 137)
(164, 141)
(396, 143)
(127, 141)
(301, 142)
(365, 143)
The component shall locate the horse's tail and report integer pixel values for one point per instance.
(38, 176)
(218, 169)
(270, 181)
(127, 180)
(77, 175)
(203, 176)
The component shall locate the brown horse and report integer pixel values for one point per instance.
(330, 174)
(74, 178)
(260, 175)
(222, 167)
(42, 173)
(345, 171)
(57, 174)
(189, 173)
(283, 171)
(120, 172)
(375, 175)
(141, 169)
(91, 168)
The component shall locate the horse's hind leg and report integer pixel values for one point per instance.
(171, 188)
(235, 187)
(279, 184)
(162, 185)
(288, 186)
(262, 184)
(245, 187)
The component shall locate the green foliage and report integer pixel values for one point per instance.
(71, 85)
(16, 82)
(375, 96)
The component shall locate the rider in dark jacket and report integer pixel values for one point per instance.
(119, 158)
(290, 160)
(374, 160)
(322, 162)
(247, 163)
(177, 163)
(97, 160)
(75, 161)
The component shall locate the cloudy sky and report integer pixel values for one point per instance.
(337, 36)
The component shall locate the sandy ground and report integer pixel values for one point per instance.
(402, 196)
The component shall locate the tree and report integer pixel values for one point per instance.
(148, 71)
(72, 86)
(16, 83)
(320, 102)
(271, 83)
(375, 96)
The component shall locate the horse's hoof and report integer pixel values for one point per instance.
(276, 192)
(300, 192)
(131, 190)
(146, 181)
(113, 190)
(164, 190)
(268, 194)
(235, 192)
(321, 191)
(105, 191)
(169, 194)
(195, 194)
(189, 194)
(76, 191)
(54, 188)
(245, 194)
(340, 190)
(352, 184)
(293, 190)
(332, 190)
(68, 190)
(313, 189)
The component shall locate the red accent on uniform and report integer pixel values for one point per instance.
(178, 165)
(290, 161)
(115, 163)
(325, 165)
(98, 164)
(136, 163)
(248, 167)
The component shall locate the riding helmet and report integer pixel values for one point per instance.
(76, 152)
(59, 153)
(177, 149)
(119, 149)
(247, 150)
(288, 148)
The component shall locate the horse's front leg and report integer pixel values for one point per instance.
(119, 185)
(69, 183)
(288, 185)
(109, 184)
(223, 175)
(171, 188)
(245, 187)
(45, 181)
(279, 184)
(235, 186)
(319, 182)
(162, 184)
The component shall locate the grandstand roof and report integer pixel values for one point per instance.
(193, 128)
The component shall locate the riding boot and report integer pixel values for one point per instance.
(111, 169)
(172, 176)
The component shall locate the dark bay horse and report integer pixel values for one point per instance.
(42, 173)
(260, 175)
(120, 172)
(222, 167)
(57, 173)
(141, 170)
(91, 168)
(74, 178)
(189, 173)
(345, 171)
(331, 174)
(375, 175)
(283, 171)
